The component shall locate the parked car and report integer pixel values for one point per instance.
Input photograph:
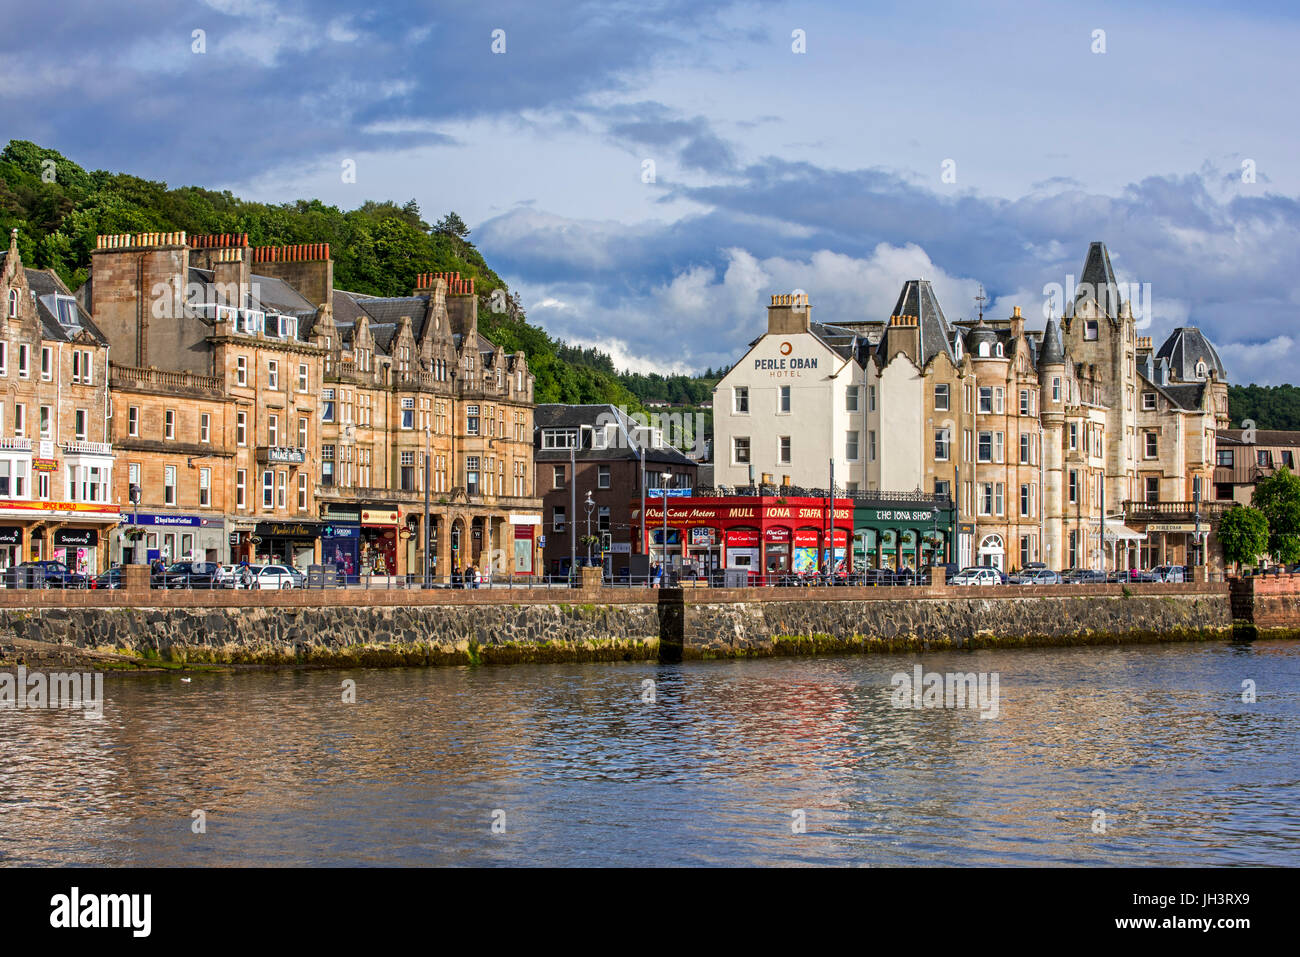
(112, 579)
(229, 576)
(1083, 576)
(275, 577)
(978, 575)
(193, 575)
(56, 574)
(1169, 573)
(1036, 576)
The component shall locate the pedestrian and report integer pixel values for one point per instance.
(245, 574)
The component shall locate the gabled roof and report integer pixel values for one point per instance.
(46, 286)
(1186, 346)
(1189, 397)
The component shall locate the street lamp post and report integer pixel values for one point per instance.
(663, 487)
(590, 504)
(426, 504)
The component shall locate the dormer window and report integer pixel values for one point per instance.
(1201, 369)
(1090, 329)
(956, 348)
(997, 350)
(984, 350)
(66, 308)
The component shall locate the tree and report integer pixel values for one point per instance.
(453, 225)
(1243, 533)
(1278, 497)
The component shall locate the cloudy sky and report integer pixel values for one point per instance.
(647, 173)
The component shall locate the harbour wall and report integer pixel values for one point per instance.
(350, 628)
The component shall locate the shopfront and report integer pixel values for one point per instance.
(908, 535)
(11, 546)
(77, 548)
(286, 543)
(761, 534)
(145, 536)
(379, 536)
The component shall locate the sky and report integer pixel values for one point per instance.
(646, 174)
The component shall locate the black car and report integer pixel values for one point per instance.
(190, 575)
(1083, 576)
(48, 574)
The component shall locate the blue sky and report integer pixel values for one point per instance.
(773, 170)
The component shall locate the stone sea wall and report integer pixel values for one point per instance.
(285, 629)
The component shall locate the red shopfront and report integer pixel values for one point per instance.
(765, 536)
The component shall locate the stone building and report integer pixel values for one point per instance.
(309, 409)
(598, 450)
(56, 455)
(1049, 441)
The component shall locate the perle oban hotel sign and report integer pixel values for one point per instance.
(787, 366)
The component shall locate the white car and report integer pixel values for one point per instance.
(274, 576)
(979, 575)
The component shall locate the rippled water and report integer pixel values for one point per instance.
(710, 773)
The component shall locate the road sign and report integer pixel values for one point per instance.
(670, 492)
(541, 541)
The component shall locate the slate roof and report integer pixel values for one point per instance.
(1186, 396)
(917, 298)
(1184, 347)
(1051, 350)
(45, 284)
(1098, 281)
(556, 416)
(1267, 437)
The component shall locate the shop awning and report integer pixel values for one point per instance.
(1117, 531)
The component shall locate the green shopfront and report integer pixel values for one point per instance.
(909, 533)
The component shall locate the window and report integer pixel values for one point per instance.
(408, 471)
(471, 475)
(1149, 401)
(1223, 457)
(471, 420)
(45, 421)
(1026, 503)
(408, 414)
(602, 477)
(999, 401)
(871, 398)
(327, 466)
(205, 487)
(133, 473)
(1153, 489)
(47, 364)
(1152, 444)
(740, 450)
(302, 491)
(1026, 556)
(282, 489)
(1263, 458)
(1201, 370)
(241, 488)
(942, 444)
(241, 370)
(1024, 402)
(1090, 329)
(13, 303)
(169, 424)
(942, 487)
(133, 421)
(24, 357)
(273, 430)
(79, 424)
(1056, 389)
(783, 399)
(941, 398)
(850, 399)
(986, 498)
(4, 357)
(241, 428)
(783, 450)
(557, 518)
(20, 419)
(268, 489)
(997, 349)
(302, 431)
(302, 377)
(1288, 460)
(169, 485)
(205, 427)
(986, 398)
(985, 453)
(741, 399)
(273, 374)
(871, 445)
(851, 446)
(1025, 448)
(1074, 487)
(327, 405)
(1074, 436)
(558, 477)
(998, 499)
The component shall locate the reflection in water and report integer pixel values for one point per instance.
(710, 773)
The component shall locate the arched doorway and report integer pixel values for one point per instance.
(992, 552)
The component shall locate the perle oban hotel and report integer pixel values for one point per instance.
(199, 397)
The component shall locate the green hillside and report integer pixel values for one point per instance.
(378, 248)
(1268, 406)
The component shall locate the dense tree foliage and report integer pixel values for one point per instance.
(1268, 406)
(378, 248)
(1278, 497)
(1243, 533)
